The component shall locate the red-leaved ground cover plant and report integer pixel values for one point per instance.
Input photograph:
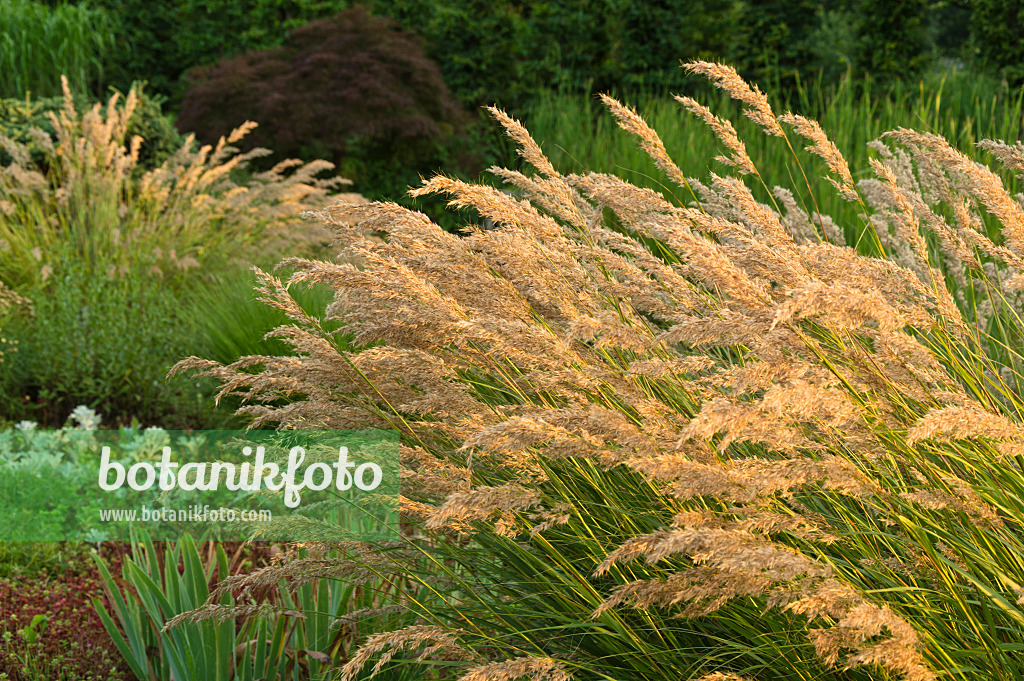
(50, 628)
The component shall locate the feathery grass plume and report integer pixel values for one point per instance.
(726, 78)
(956, 422)
(903, 215)
(433, 639)
(10, 298)
(528, 149)
(551, 190)
(532, 668)
(796, 220)
(88, 195)
(726, 133)
(826, 149)
(686, 411)
(983, 183)
(482, 503)
(1011, 156)
(630, 121)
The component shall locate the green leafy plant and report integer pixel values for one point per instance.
(107, 342)
(161, 592)
(293, 631)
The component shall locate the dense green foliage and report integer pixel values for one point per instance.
(508, 50)
(779, 40)
(371, 82)
(996, 29)
(391, 117)
(504, 52)
(107, 343)
(892, 38)
(160, 41)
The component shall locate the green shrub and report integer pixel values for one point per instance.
(774, 41)
(391, 116)
(995, 44)
(892, 39)
(780, 44)
(40, 43)
(371, 81)
(505, 52)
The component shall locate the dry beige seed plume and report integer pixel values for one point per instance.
(826, 149)
(650, 142)
(726, 78)
(984, 184)
(433, 639)
(528, 668)
(726, 133)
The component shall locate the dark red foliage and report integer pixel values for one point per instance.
(71, 642)
(352, 78)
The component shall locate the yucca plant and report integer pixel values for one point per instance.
(648, 438)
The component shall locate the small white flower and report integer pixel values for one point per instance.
(26, 425)
(86, 418)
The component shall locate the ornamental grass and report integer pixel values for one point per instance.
(700, 439)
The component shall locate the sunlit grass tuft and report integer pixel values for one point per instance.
(765, 425)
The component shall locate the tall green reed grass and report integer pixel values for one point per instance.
(41, 42)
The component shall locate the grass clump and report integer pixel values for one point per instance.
(104, 265)
(689, 434)
(20, 116)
